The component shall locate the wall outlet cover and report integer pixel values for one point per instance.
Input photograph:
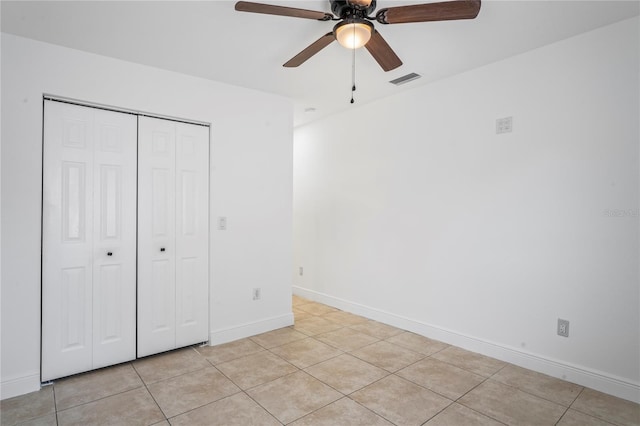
(563, 327)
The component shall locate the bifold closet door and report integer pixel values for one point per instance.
(88, 240)
(173, 235)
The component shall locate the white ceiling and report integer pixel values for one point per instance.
(210, 39)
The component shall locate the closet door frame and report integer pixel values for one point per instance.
(96, 336)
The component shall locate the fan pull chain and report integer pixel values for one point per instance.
(353, 67)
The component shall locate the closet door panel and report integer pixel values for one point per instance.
(88, 296)
(192, 234)
(156, 236)
(67, 266)
(162, 298)
(114, 279)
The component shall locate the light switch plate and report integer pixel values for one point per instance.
(504, 125)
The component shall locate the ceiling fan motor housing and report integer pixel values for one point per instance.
(352, 8)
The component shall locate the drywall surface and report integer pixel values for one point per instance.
(251, 181)
(413, 211)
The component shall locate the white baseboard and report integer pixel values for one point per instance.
(230, 334)
(19, 386)
(572, 373)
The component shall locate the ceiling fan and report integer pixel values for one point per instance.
(356, 29)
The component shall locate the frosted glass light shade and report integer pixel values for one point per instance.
(353, 35)
(362, 3)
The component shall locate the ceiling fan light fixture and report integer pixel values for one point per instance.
(352, 33)
(361, 3)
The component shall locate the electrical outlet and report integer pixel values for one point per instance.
(301, 271)
(504, 125)
(222, 223)
(257, 293)
(563, 328)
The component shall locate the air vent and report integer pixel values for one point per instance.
(405, 79)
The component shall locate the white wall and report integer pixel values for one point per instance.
(251, 181)
(412, 211)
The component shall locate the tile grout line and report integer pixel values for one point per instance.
(277, 346)
(582, 412)
(261, 406)
(240, 389)
(319, 408)
(582, 388)
(370, 410)
(170, 352)
(55, 403)
(106, 396)
(149, 392)
(245, 391)
(457, 401)
(438, 413)
(467, 369)
(311, 365)
(560, 419)
(576, 398)
(234, 359)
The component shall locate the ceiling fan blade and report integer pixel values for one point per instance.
(269, 9)
(382, 52)
(311, 50)
(442, 11)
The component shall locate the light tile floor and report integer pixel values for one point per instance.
(332, 368)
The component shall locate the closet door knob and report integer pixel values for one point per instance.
(161, 248)
(109, 253)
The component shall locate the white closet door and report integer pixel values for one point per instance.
(114, 238)
(82, 292)
(192, 234)
(173, 235)
(156, 236)
(67, 240)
